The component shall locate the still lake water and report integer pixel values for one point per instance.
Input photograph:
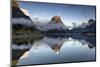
(58, 50)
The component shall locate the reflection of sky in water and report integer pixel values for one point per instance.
(71, 50)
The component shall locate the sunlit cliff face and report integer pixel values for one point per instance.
(26, 12)
(57, 19)
(15, 4)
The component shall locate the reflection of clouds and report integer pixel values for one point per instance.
(56, 43)
(21, 47)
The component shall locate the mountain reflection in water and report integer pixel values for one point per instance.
(56, 50)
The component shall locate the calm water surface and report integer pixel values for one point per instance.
(57, 50)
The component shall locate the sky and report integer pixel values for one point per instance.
(69, 13)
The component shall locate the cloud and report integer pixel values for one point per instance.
(22, 21)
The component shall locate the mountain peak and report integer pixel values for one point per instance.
(15, 3)
(56, 19)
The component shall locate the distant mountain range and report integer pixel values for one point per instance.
(56, 24)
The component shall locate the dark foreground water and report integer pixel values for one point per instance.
(55, 50)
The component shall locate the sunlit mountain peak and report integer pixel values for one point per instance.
(56, 19)
(15, 3)
(26, 12)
